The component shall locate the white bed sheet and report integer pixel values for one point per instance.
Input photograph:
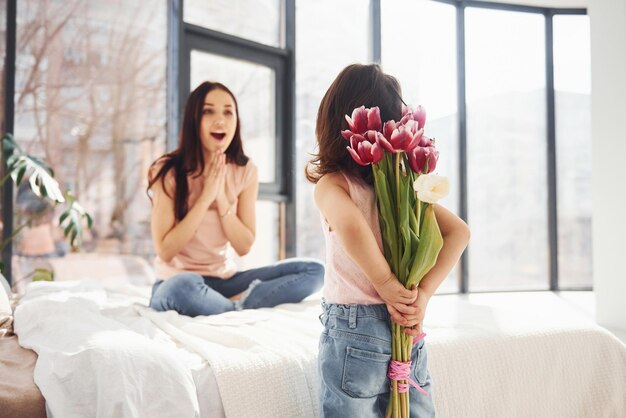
(489, 355)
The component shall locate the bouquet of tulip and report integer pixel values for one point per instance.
(401, 157)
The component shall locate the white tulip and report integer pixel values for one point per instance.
(430, 187)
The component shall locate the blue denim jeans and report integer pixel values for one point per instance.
(191, 294)
(354, 354)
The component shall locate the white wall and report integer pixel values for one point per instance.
(608, 108)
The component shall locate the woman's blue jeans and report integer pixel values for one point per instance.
(288, 281)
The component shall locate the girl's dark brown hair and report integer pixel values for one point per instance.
(188, 158)
(356, 85)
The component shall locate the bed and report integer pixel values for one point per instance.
(102, 352)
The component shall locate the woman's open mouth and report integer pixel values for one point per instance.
(218, 135)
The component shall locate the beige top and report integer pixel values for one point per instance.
(344, 281)
(208, 252)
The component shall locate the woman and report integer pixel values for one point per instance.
(203, 210)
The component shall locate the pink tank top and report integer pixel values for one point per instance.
(344, 281)
(208, 252)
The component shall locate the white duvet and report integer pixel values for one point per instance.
(96, 360)
(103, 354)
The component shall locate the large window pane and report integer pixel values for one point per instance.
(325, 45)
(90, 99)
(257, 20)
(254, 87)
(428, 77)
(506, 136)
(572, 83)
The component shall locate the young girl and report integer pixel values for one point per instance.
(203, 196)
(361, 294)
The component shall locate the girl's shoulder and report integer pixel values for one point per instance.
(356, 188)
(336, 179)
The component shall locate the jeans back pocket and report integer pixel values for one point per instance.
(420, 365)
(365, 373)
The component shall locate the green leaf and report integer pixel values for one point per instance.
(386, 216)
(415, 241)
(430, 244)
(74, 234)
(20, 175)
(63, 216)
(67, 229)
(41, 182)
(73, 218)
(8, 143)
(404, 228)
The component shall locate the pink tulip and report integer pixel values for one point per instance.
(363, 151)
(403, 138)
(347, 134)
(358, 122)
(362, 120)
(373, 119)
(419, 115)
(388, 129)
(420, 157)
(426, 142)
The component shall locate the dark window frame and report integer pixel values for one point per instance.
(8, 126)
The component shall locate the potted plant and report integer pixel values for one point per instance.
(22, 167)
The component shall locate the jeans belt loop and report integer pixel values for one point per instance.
(352, 317)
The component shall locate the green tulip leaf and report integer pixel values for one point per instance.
(386, 216)
(430, 244)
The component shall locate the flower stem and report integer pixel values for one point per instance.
(396, 349)
(418, 214)
(398, 232)
(388, 412)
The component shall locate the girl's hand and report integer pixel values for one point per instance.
(214, 174)
(415, 317)
(397, 296)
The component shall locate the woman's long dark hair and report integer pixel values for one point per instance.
(357, 85)
(188, 158)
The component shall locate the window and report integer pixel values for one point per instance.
(572, 85)
(90, 99)
(258, 20)
(506, 143)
